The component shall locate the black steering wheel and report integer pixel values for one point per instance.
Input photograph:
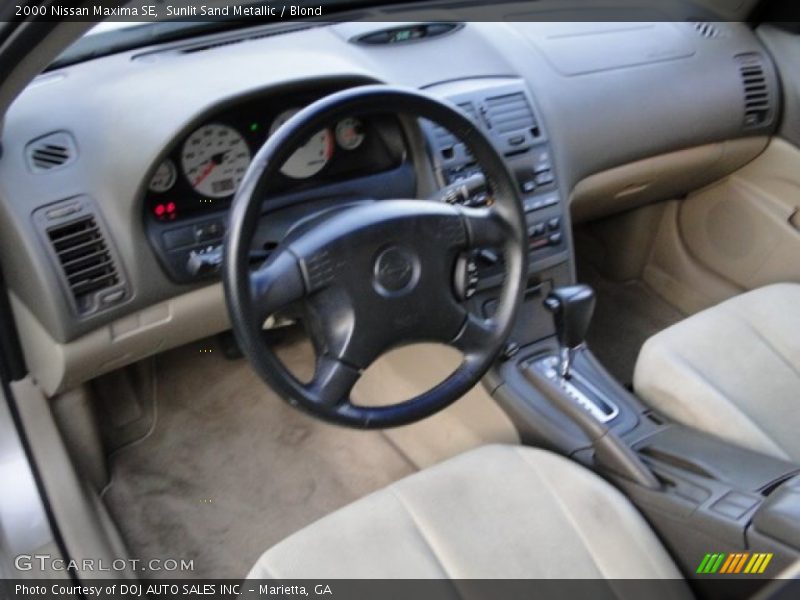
(377, 275)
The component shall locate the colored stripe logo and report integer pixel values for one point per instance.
(737, 563)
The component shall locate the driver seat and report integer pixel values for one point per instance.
(496, 512)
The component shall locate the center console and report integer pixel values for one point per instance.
(506, 112)
(720, 508)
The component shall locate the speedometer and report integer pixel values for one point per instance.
(309, 159)
(214, 160)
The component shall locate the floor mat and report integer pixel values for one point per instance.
(627, 314)
(230, 469)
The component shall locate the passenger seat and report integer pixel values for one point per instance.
(732, 370)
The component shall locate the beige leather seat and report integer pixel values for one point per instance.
(732, 370)
(495, 512)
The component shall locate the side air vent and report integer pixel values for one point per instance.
(707, 30)
(757, 93)
(50, 152)
(86, 262)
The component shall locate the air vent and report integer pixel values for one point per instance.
(50, 152)
(85, 259)
(757, 95)
(707, 30)
(445, 140)
(510, 113)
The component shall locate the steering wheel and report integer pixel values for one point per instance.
(377, 275)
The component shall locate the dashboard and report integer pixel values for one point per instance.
(203, 169)
(150, 146)
(189, 191)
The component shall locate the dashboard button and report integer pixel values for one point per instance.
(536, 230)
(538, 243)
(210, 230)
(554, 239)
(532, 204)
(544, 178)
(550, 200)
(528, 186)
(553, 224)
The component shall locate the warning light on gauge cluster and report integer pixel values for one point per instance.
(165, 210)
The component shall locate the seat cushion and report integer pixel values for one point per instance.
(495, 512)
(732, 370)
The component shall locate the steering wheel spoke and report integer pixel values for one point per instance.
(275, 284)
(332, 382)
(475, 336)
(485, 228)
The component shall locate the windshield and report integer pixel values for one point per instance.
(134, 26)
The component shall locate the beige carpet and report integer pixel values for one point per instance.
(230, 469)
(627, 314)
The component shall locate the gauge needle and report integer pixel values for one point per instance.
(212, 162)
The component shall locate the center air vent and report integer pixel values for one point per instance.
(510, 113)
(757, 95)
(445, 140)
(50, 152)
(510, 119)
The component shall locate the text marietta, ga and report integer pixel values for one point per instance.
(236, 10)
(193, 589)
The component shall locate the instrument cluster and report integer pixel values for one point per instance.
(203, 170)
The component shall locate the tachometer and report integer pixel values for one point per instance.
(350, 133)
(164, 178)
(214, 160)
(309, 159)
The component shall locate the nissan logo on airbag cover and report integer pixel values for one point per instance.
(396, 271)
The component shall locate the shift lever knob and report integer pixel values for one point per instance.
(572, 309)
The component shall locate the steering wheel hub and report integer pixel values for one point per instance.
(396, 271)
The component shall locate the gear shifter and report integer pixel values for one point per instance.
(572, 309)
(576, 394)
